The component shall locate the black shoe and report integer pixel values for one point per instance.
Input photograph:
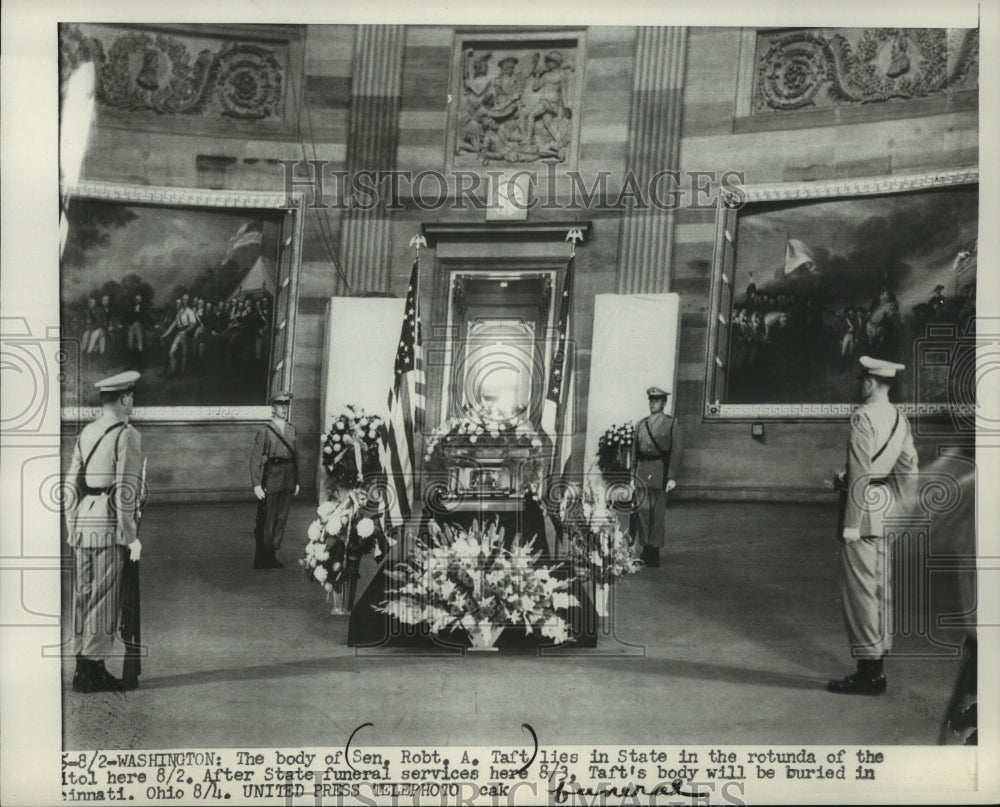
(100, 680)
(258, 559)
(653, 558)
(80, 676)
(275, 563)
(858, 685)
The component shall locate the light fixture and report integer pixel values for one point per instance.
(504, 284)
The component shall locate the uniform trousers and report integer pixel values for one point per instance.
(96, 599)
(276, 507)
(651, 517)
(867, 596)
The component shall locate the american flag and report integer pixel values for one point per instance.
(247, 241)
(557, 412)
(406, 409)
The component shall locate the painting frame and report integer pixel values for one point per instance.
(724, 289)
(280, 359)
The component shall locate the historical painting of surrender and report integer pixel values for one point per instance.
(818, 283)
(184, 295)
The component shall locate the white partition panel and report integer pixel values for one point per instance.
(362, 334)
(635, 347)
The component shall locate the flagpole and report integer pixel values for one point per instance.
(417, 242)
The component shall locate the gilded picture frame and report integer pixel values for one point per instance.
(809, 276)
(240, 250)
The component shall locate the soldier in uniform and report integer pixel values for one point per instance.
(275, 479)
(656, 457)
(880, 454)
(101, 519)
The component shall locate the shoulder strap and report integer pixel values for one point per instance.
(889, 440)
(277, 434)
(649, 431)
(107, 431)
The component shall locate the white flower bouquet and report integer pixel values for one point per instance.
(342, 533)
(468, 579)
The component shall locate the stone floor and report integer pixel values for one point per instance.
(730, 641)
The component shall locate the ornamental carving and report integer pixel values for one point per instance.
(516, 103)
(815, 68)
(149, 71)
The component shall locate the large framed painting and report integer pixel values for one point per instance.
(808, 277)
(193, 288)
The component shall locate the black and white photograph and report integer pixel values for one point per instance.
(566, 405)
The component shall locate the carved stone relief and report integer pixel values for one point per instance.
(516, 104)
(815, 68)
(152, 71)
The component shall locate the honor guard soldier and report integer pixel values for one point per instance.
(656, 457)
(880, 454)
(275, 479)
(104, 481)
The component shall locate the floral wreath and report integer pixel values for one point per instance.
(599, 549)
(350, 449)
(482, 428)
(614, 448)
(341, 535)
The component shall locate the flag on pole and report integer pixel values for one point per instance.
(406, 409)
(798, 254)
(557, 412)
(248, 239)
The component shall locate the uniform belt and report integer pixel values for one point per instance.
(278, 460)
(89, 491)
(643, 456)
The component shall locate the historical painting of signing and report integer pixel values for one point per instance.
(186, 295)
(807, 286)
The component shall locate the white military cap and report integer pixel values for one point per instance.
(118, 383)
(656, 392)
(880, 367)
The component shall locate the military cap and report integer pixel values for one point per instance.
(939, 287)
(118, 383)
(880, 367)
(656, 392)
(282, 397)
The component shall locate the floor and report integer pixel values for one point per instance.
(730, 641)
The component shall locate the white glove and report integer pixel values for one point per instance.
(258, 491)
(671, 484)
(296, 489)
(134, 550)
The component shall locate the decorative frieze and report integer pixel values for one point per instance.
(140, 70)
(517, 100)
(826, 67)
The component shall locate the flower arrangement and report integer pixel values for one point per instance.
(599, 549)
(468, 579)
(341, 535)
(350, 449)
(615, 447)
(481, 428)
